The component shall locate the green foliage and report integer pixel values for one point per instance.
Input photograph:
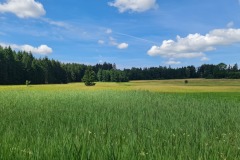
(15, 68)
(118, 125)
(89, 77)
(28, 83)
(100, 75)
(112, 76)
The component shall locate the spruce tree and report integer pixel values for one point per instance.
(89, 77)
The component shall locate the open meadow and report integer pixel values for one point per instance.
(165, 119)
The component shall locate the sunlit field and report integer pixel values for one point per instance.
(194, 85)
(137, 120)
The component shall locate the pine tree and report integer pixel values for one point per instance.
(89, 77)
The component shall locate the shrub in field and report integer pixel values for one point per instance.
(89, 77)
(28, 83)
(186, 81)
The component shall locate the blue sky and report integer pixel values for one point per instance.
(130, 33)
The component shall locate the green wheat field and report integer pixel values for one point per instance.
(152, 120)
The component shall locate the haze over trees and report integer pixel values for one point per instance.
(17, 67)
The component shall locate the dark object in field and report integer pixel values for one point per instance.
(186, 81)
(90, 84)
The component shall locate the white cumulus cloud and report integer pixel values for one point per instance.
(42, 49)
(133, 5)
(122, 46)
(23, 8)
(194, 45)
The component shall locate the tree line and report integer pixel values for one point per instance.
(209, 71)
(17, 67)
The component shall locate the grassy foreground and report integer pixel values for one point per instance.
(59, 122)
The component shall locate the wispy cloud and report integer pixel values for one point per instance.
(109, 31)
(113, 42)
(101, 41)
(230, 24)
(56, 23)
(204, 59)
(172, 62)
(138, 38)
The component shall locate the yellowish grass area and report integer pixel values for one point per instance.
(194, 85)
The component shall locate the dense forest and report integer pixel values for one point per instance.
(17, 67)
(209, 71)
